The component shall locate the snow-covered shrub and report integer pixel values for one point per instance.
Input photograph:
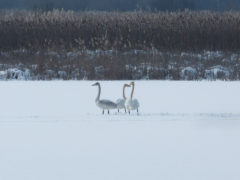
(188, 73)
(99, 71)
(17, 74)
(116, 65)
(217, 72)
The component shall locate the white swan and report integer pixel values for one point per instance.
(121, 102)
(103, 103)
(132, 104)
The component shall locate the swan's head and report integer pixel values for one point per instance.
(127, 85)
(132, 83)
(96, 84)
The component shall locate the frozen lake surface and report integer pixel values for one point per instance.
(185, 131)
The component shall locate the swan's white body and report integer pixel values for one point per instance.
(103, 104)
(132, 104)
(121, 102)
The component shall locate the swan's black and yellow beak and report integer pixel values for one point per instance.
(127, 85)
(132, 83)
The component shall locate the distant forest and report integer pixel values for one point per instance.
(122, 5)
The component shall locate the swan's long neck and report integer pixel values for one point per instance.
(124, 97)
(99, 92)
(132, 91)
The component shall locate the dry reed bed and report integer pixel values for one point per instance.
(171, 31)
(55, 45)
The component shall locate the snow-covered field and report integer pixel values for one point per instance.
(54, 131)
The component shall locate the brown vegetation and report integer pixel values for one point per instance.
(181, 31)
(113, 45)
(115, 65)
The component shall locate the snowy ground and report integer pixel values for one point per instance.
(185, 131)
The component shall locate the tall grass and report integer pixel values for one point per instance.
(68, 30)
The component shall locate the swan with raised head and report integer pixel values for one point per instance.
(103, 104)
(121, 102)
(132, 104)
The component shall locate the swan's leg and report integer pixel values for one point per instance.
(108, 111)
(118, 110)
(103, 111)
(125, 110)
(137, 110)
(128, 111)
